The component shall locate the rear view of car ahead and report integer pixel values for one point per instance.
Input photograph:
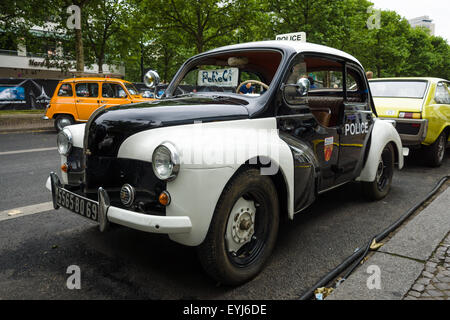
(421, 108)
(215, 166)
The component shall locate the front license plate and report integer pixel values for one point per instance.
(78, 204)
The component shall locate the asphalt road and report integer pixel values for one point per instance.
(37, 249)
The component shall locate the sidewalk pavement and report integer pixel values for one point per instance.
(413, 264)
(21, 122)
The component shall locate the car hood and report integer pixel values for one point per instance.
(109, 128)
(390, 107)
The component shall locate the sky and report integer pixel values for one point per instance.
(437, 10)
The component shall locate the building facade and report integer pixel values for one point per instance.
(423, 21)
(40, 57)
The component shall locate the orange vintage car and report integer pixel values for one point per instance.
(76, 99)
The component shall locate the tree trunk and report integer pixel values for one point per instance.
(142, 61)
(100, 61)
(79, 52)
(199, 43)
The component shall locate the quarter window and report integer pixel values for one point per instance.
(87, 90)
(65, 90)
(442, 94)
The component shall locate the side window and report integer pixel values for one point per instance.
(87, 90)
(442, 94)
(326, 79)
(113, 90)
(326, 96)
(356, 86)
(65, 90)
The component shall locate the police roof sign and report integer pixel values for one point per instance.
(296, 36)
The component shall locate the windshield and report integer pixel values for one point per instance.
(131, 88)
(245, 73)
(398, 89)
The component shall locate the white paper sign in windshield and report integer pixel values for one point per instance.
(218, 77)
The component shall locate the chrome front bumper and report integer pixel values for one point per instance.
(411, 139)
(131, 219)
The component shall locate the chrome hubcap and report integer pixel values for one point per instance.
(380, 170)
(241, 225)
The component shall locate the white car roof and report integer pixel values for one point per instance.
(295, 45)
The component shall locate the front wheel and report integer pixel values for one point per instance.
(243, 230)
(435, 152)
(379, 188)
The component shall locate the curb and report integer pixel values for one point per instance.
(402, 259)
(24, 122)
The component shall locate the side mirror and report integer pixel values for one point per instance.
(151, 79)
(296, 93)
(303, 86)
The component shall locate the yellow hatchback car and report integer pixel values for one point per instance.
(421, 109)
(76, 99)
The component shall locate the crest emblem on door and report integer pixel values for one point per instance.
(328, 148)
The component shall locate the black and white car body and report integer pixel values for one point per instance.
(216, 169)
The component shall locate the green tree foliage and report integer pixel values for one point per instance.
(102, 19)
(387, 49)
(161, 34)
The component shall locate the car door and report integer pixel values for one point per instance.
(87, 100)
(309, 124)
(357, 123)
(63, 100)
(113, 94)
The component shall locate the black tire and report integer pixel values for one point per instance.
(62, 121)
(379, 188)
(234, 268)
(434, 154)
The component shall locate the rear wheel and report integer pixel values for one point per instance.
(379, 188)
(62, 121)
(243, 230)
(435, 153)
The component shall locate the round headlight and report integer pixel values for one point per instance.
(64, 141)
(166, 162)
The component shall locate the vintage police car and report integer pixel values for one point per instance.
(215, 166)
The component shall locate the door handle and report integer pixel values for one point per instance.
(79, 100)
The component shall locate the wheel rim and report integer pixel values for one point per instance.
(63, 122)
(384, 171)
(441, 148)
(246, 232)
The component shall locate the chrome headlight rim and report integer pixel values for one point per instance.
(174, 159)
(68, 135)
